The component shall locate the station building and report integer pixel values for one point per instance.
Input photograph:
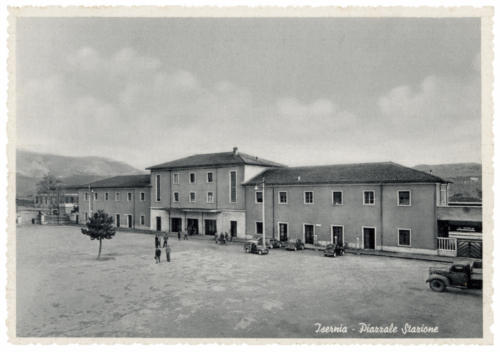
(382, 206)
(126, 198)
(204, 193)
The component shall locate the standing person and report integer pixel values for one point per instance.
(226, 237)
(167, 252)
(165, 240)
(157, 255)
(216, 237)
(185, 235)
(157, 241)
(179, 235)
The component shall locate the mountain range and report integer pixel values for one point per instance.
(466, 180)
(32, 166)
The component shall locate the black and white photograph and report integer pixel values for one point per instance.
(180, 174)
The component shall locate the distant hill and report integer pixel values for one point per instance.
(32, 166)
(466, 180)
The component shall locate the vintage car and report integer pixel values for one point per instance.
(334, 249)
(275, 243)
(255, 247)
(293, 245)
(464, 275)
(268, 243)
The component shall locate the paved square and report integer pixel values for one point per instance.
(210, 290)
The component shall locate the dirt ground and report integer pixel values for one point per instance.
(210, 290)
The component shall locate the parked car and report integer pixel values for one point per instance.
(275, 243)
(462, 275)
(268, 243)
(333, 250)
(293, 245)
(255, 247)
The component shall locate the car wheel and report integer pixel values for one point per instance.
(437, 285)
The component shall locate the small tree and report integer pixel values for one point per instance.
(48, 183)
(99, 226)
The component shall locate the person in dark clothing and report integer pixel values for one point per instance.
(157, 255)
(179, 235)
(165, 240)
(157, 241)
(167, 252)
(226, 237)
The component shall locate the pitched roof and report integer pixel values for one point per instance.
(125, 181)
(216, 159)
(385, 172)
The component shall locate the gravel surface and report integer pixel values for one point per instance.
(210, 290)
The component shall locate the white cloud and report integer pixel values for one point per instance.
(132, 108)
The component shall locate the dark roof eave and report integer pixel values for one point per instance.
(159, 167)
(341, 183)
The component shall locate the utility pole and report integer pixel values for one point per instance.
(263, 213)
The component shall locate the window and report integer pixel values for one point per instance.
(176, 197)
(210, 197)
(158, 188)
(210, 177)
(258, 197)
(404, 198)
(129, 196)
(86, 197)
(142, 219)
(192, 197)
(443, 194)
(95, 196)
(176, 179)
(258, 227)
(282, 198)
(308, 197)
(368, 197)
(232, 186)
(117, 196)
(106, 195)
(404, 237)
(192, 177)
(337, 198)
(36, 200)
(143, 196)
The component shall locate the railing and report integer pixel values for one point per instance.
(447, 246)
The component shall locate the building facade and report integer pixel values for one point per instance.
(126, 198)
(204, 193)
(382, 206)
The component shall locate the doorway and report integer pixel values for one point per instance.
(368, 237)
(283, 232)
(192, 226)
(176, 224)
(158, 223)
(117, 220)
(234, 228)
(210, 227)
(309, 234)
(129, 221)
(338, 234)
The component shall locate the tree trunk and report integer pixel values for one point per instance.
(100, 246)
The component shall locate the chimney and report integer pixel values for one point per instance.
(235, 150)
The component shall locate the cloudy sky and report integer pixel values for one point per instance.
(298, 91)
